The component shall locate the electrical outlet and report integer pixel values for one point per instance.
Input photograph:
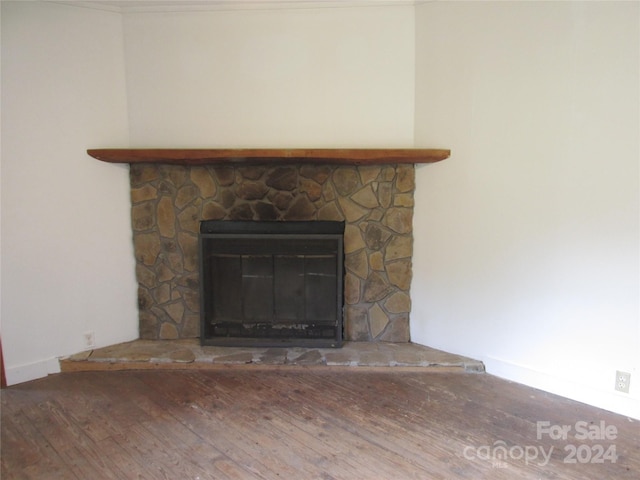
(622, 381)
(89, 339)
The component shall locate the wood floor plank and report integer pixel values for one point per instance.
(320, 452)
(236, 425)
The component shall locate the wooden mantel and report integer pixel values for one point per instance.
(346, 156)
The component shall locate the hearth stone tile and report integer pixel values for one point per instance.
(340, 358)
(353, 354)
(308, 357)
(81, 356)
(375, 358)
(183, 355)
(140, 350)
(272, 356)
(235, 358)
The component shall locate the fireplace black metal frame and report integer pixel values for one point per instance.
(297, 266)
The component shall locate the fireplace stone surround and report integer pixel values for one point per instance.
(375, 200)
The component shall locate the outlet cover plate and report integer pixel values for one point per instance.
(622, 381)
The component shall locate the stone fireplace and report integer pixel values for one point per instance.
(375, 200)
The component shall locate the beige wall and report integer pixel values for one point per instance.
(527, 240)
(327, 77)
(66, 238)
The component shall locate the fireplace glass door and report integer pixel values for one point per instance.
(271, 283)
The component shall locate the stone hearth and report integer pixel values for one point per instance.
(375, 201)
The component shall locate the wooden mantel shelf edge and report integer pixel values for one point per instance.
(346, 156)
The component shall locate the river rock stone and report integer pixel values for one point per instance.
(202, 179)
(168, 203)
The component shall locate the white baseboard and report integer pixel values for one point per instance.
(32, 371)
(620, 403)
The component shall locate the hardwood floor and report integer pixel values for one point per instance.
(315, 424)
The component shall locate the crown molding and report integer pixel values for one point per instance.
(160, 6)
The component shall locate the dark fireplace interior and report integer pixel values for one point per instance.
(271, 283)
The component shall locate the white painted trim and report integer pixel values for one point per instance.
(32, 371)
(620, 403)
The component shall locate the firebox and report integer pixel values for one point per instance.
(272, 283)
